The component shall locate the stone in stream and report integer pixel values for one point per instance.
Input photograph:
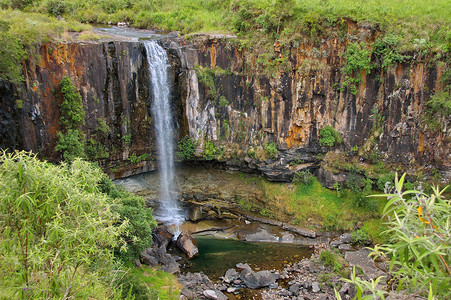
(231, 275)
(345, 247)
(187, 244)
(211, 294)
(241, 267)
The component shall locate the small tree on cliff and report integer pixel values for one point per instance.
(71, 140)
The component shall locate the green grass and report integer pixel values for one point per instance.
(314, 205)
(413, 25)
(162, 285)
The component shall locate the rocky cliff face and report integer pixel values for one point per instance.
(256, 99)
(233, 101)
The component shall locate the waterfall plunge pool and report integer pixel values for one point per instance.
(216, 256)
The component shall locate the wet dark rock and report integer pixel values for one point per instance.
(187, 244)
(328, 178)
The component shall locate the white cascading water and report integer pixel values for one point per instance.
(169, 211)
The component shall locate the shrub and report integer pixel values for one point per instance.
(303, 177)
(386, 49)
(271, 149)
(72, 113)
(357, 58)
(11, 54)
(419, 247)
(140, 220)
(329, 136)
(56, 232)
(71, 145)
(330, 260)
(360, 237)
(223, 102)
(186, 148)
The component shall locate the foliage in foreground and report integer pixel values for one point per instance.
(420, 246)
(57, 231)
(63, 229)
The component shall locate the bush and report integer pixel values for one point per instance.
(303, 177)
(71, 145)
(420, 243)
(11, 54)
(140, 220)
(360, 237)
(56, 232)
(329, 136)
(186, 148)
(72, 112)
(330, 260)
(271, 150)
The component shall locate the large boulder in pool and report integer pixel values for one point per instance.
(187, 244)
(255, 280)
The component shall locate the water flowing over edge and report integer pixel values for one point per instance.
(169, 211)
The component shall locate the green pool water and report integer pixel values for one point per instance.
(218, 255)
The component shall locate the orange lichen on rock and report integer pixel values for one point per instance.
(213, 56)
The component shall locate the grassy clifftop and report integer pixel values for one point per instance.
(410, 25)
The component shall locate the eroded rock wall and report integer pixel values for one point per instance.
(284, 98)
(301, 93)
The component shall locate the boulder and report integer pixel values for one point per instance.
(255, 280)
(148, 259)
(162, 235)
(231, 275)
(210, 294)
(187, 244)
(241, 267)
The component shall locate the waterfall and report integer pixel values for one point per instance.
(169, 211)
